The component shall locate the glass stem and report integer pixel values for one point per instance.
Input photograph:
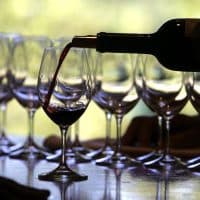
(108, 128)
(63, 131)
(167, 139)
(3, 120)
(118, 123)
(160, 133)
(31, 114)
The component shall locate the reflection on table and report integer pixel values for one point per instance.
(104, 183)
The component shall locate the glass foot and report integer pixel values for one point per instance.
(81, 149)
(4, 150)
(62, 174)
(5, 141)
(195, 169)
(101, 153)
(16, 147)
(71, 157)
(5, 145)
(193, 160)
(29, 152)
(149, 156)
(168, 163)
(153, 162)
(194, 166)
(118, 161)
(93, 153)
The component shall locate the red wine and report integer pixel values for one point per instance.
(176, 44)
(64, 116)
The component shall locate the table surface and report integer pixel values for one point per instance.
(104, 183)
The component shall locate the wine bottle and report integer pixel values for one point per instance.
(176, 44)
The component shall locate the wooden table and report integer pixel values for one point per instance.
(103, 183)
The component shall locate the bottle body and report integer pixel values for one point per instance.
(176, 44)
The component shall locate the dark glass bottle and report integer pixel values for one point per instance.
(176, 44)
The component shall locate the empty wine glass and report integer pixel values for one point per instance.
(5, 94)
(84, 153)
(117, 93)
(165, 93)
(26, 57)
(107, 149)
(193, 89)
(64, 94)
(139, 82)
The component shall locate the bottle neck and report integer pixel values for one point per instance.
(88, 41)
(117, 42)
(125, 43)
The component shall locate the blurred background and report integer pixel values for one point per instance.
(58, 18)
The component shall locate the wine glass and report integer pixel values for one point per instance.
(117, 93)
(139, 82)
(60, 42)
(85, 154)
(5, 94)
(165, 93)
(26, 57)
(193, 86)
(64, 94)
(107, 149)
(74, 150)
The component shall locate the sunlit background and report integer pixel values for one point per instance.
(57, 18)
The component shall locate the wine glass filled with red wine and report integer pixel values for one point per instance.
(65, 91)
(26, 58)
(165, 93)
(75, 151)
(116, 93)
